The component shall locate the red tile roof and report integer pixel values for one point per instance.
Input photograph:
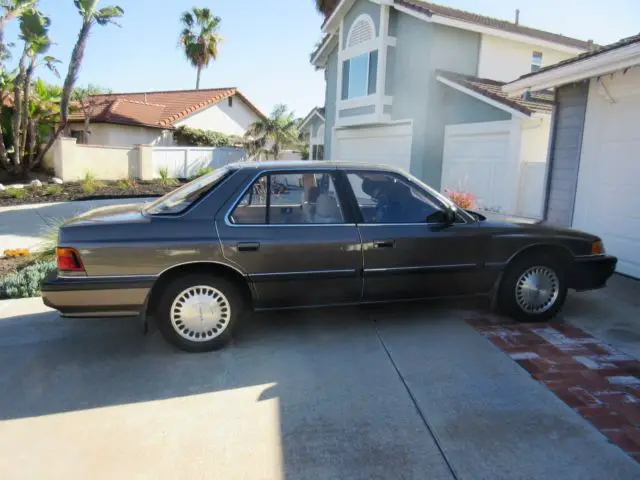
(534, 102)
(156, 109)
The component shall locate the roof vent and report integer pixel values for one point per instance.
(517, 16)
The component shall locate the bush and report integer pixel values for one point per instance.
(26, 282)
(195, 137)
(53, 189)
(464, 200)
(165, 179)
(200, 172)
(16, 193)
(90, 184)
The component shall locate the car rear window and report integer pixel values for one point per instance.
(181, 199)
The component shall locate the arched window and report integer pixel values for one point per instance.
(361, 31)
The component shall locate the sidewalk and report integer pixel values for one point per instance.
(23, 226)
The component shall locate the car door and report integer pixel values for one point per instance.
(288, 231)
(409, 250)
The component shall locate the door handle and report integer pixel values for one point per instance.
(383, 244)
(248, 246)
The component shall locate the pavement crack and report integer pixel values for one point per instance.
(423, 417)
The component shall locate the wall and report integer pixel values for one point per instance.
(506, 60)
(184, 162)
(72, 162)
(564, 157)
(331, 80)
(125, 135)
(533, 166)
(222, 118)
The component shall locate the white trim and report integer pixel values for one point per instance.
(381, 74)
(382, 124)
(360, 49)
(313, 113)
(496, 32)
(321, 50)
(357, 102)
(339, 72)
(357, 120)
(515, 113)
(600, 64)
(364, 17)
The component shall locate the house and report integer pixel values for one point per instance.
(312, 127)
(593, 179)
(416, 85)
(148, 118)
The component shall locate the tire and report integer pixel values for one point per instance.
(198, 312)
(525, 305)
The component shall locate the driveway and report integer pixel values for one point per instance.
(384, 392)
(23, 226)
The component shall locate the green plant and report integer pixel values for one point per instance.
(279, 130)
(165, 179)
(17, 193)
(195, 137)
(199, 38)
(26, 282)
(89, 184)
(53, 189)
(200, 172)
(46, 250)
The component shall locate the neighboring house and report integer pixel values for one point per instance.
(593, 180)
(399, 72)
(148, 118)
(313, 129)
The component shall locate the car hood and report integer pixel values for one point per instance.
(129, 213)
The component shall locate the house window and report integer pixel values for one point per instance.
(360, 71)
(230, 101)
(536, 61)
(78, 135)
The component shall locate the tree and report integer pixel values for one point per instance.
(272, 134)
(199, 38)
(326, 6)
(87, 99)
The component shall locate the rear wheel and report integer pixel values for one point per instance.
(197, 313)
(534, 288)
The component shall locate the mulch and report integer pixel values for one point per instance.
(13, 264)
(599, 382)
(72, 191)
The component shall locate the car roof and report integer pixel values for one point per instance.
(305, 164)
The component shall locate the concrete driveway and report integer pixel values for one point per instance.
(386, 392)
(23, 226)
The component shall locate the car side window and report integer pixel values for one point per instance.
(295, 198)
(386, 198)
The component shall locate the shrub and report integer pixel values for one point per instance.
(463, 200)
(16, 252)
(89, 183)
(47, 248)
(200, 172)
(165, 179)
(53, 189)
(196, 137)
(16, 193)
(26, 282)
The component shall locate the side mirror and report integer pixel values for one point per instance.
(449, 216)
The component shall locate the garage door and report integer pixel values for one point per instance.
(608, 193)
(475, 160)
(390, 145)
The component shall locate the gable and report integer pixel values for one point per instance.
(234, 119)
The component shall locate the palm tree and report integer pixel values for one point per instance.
(326, 6)
(200, 38)
(273, 134)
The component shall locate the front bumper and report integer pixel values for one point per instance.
(593, 271)
(96, 296)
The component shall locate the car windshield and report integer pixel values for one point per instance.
(180, 199)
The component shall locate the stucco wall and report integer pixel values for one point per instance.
(331, 78)
(506, 60)
(234, 120)
(126, 136)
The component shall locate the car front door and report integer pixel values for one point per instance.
(289, 233)
(409, 250)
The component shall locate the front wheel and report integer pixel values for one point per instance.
(533, 289)
(198, 313)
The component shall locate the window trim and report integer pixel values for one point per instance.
(536, 66)
(364, 17)
(353, 200)
(367, 77)
(348, 220)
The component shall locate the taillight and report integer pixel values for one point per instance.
(68, 260)
(597, 248)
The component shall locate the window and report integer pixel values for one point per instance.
(230, 101)
(79, 136)
(385, 198)
(290, 199)
(318, 152)
(359, 75)
(536, 61)
(179, 200)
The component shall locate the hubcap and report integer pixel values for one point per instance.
(200, 313)
(537, 289)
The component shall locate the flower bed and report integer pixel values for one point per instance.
(79, 191)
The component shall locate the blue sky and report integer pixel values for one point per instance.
(267, 42)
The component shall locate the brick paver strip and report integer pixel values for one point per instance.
(597, 381)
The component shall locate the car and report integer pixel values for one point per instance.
(274, 235)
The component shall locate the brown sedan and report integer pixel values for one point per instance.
(285, 235)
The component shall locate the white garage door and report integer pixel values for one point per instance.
(475, 160)
(608, 194)
(390, 145)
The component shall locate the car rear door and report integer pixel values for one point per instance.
(288, 232)
(409, 251)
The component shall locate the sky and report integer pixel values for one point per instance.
(267, 43)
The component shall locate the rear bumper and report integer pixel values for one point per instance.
(96, 296)
(591, 272)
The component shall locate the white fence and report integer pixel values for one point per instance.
(184, 162)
